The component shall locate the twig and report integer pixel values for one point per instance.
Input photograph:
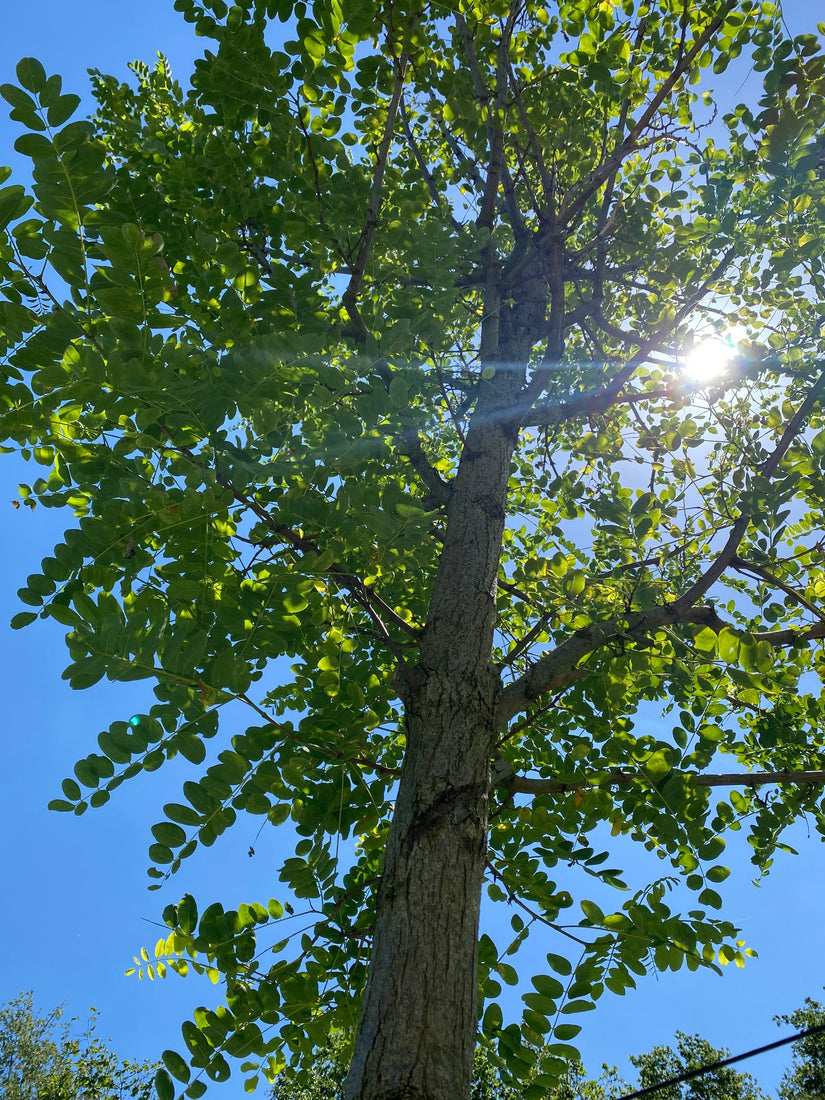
(350, 295)
(582, 192)
(524, 784)
(363, 593)
(526, 641)
(435, 194)
(439, 491)
(742, 566)
(513, 898)
(768, 469)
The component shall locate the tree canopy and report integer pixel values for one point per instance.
(326, 1079)
(44, 1059)
(655, 1067)
(805, 1080)
(364, 367)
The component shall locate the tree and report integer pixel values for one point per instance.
(327, 1078)
(805, 1080)
(663, 1063)
(692, 1052)
(328, 1075)
(361, 365)
(41, 1059)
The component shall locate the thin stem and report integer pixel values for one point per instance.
(524, 784)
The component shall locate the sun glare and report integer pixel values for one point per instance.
(710, 356)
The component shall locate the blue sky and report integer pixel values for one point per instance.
(76, 904)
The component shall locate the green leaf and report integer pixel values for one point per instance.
(35, 146)
(658, 764)
(14, 202)
(19, 100)
(62, 109)
(717, 874)
(711, 898)
(166, 832)
(73, 135)
(71, 789)
(398, 392)
(493, 1018)
(549, 987)
(544, 1005)
(564, 1032)
(187, 914)
(706, 640)
(183, 814)
(22, 618)
(559, 964)
(176, 1065)
(163, 1085)
(592, 911)
(192, 748)
(31, 74)
(728, 644)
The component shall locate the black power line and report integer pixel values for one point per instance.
(722, 1063)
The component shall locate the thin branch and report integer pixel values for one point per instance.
(767, 470)
(546, 416)
(601, 400)
(435, 194)
(350, 295)
(644, 563)
(790, 636)
(536, 713)
(605, 216)
(56, 306)
(517, 222)
(463, 159)
(532, 139)
(448, 404)
(508, 586)
(536, 916)
(554, 349)
(362, 593)
(526, 641)
(438, 490)
(586, 188)
(556, 669)
(743, 566)
(524, 784)
(319, 194)
(494, 131)
(489, 342)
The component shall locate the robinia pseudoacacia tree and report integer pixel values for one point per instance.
(360, 364)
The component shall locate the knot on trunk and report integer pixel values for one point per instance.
(453, 806)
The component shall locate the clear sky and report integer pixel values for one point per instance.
(76, 905)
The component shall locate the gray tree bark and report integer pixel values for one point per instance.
(417, 1031)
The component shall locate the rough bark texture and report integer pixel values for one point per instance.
(417, 1032)
(418, 1025)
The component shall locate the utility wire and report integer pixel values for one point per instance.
(720, 1064)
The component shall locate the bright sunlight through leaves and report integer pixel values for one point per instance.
(711, 355)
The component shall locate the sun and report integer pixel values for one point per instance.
(711, 355)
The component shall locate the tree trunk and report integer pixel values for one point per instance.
(417, 1031)
(418, 1024)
